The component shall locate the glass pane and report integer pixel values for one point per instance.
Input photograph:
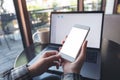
(39, 11)
(92, 5)
(10, 38)
(109, 8)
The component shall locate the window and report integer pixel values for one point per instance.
(39, 11)
(10, 37)
(92, 5)
(109, 8)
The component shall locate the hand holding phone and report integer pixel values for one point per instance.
(73, 43)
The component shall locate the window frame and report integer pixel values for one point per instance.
(23, 22)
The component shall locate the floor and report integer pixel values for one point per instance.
(9, 54)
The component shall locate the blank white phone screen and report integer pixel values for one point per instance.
(74, 42)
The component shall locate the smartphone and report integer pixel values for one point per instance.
(73, 42)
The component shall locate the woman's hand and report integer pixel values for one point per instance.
(47, 60)
(75, 67)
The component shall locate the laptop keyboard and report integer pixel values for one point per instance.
(91, 57)
(50, 47)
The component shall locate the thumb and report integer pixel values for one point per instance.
(54, 58)
(82, 54)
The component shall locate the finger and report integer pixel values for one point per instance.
(82, 53)
(53, 58)
(50, 53)
(60, 48)
(57, 64)
(63, 62)
(54, 64)
(64, 40)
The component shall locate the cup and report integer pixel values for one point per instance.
(41, 36)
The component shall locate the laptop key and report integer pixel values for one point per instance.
(91, 57)
(53, 48)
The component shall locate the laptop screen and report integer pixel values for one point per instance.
(61, 23)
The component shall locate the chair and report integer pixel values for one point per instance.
(1, 33)
(9, 29)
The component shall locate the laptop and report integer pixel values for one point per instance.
(60, 26)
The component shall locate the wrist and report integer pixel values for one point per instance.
(72, 71)
(21, 72)
(71, 76)
(31, 71)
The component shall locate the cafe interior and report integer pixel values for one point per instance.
(22, 20)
